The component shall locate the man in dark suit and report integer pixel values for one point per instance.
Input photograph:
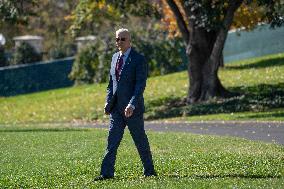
(125, 105)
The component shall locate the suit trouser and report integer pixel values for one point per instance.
(116, 131)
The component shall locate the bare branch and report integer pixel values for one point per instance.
(180, 20)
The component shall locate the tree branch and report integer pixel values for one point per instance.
(223, 32)
(180, 20)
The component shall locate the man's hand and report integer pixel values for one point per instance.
(128, 111)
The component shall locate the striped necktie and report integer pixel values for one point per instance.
(118, 67)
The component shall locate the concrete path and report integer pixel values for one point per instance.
(262, 131)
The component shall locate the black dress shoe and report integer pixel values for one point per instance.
(102, 177)
(152, 175)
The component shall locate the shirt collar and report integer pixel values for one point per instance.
(126, 52)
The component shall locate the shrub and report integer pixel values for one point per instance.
(62, 51)
(25, 54)
(3, 59)
(91, 64)
(163, 56)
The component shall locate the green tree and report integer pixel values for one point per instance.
(15, 14)
(204, 26)
(162, 54)
(16, 11)
(91, 65)
(51, 24)
(46, 18)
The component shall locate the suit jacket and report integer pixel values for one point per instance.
(131, 85)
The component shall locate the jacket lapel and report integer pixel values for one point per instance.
(113, 65)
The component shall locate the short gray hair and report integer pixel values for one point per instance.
(122, 30)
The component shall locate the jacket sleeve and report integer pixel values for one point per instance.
(109, 89)
(141, 70)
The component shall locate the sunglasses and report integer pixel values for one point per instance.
(120, 39)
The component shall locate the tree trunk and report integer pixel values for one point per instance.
(221, 61)
(204, 49)
(203, 75)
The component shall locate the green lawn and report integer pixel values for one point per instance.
(38, 149)
(260, 81)
(70, 158)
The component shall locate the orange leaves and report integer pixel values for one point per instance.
(169, 20)
(248, 16)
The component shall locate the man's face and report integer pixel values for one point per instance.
(122, 41)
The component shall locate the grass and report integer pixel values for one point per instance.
(259, 80)
(60, 157)
(37, 153)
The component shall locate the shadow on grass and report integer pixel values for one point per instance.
(42, 129)
(261, 115)
(213, 176)
(257, 98)
(278, 61)
(226, 176)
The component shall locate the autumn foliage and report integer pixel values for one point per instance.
(246, 16)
